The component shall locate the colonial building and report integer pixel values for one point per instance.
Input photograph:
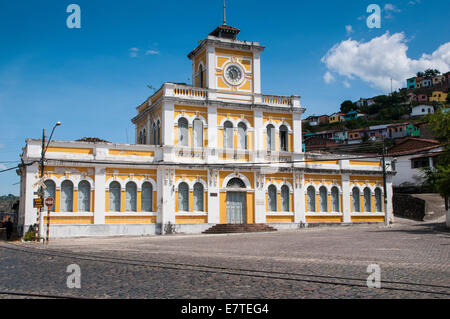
(214, 152)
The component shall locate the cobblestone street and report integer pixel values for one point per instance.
(320, 262)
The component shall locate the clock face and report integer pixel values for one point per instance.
(233, 74)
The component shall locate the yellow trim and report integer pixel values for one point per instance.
(323, 219)
(369, 163)
(279, 219)
(69, 220)
(130, 152)
(367, 219)
(130, 219)
(55, 149)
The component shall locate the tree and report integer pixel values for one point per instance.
(420, 74)
(432, 72)
(347, 106)
(439, 176)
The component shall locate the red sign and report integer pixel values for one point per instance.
(49, 202)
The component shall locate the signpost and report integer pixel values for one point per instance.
(49, 203)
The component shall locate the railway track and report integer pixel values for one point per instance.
(438, 290)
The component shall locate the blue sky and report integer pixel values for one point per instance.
(91, 79)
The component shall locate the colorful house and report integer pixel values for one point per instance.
(438, 96)
(411, 83)
(336, 117)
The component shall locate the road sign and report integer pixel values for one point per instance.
(38, 202)
(49, 202)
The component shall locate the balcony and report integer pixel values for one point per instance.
(187, 92)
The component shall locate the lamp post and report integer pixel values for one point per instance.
(41, 175)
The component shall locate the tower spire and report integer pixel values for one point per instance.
(224, 12)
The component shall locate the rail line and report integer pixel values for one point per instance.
(288, 276)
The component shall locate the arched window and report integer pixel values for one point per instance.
(183, 197)
(235, 183)
(311, 199)
(200, 75)
(198, 197)
(285, 198)
(272, 194)
(335, 199)
(355, 199)
(84, 196)
(183, 132)
(114, 197)
(144, 135)
(323, 199)
(228, 137)
(67, 196)
(270, 137)
(283, 138)
(50, 191)
(154, 134)
(367, 200)
(197, 133)
(158, 133)
(140, 137)
(242, 136)
(147, 197)
(378, 200)
(130, 197)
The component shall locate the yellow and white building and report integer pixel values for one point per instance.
(216, 151)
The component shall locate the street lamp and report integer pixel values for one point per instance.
(41, 189)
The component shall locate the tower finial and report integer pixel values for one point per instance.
(224, 12)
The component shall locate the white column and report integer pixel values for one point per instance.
(299, 199)
(260, 199)
(166, 197)
(213, 197)
(212, 134)
(346, 205)
(167, 126)
(210, 68)
(258, 135)
(29, 211)
(389, 194)
(256, 73)
(297, 123)
(99, 195)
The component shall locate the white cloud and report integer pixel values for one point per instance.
(382, 58)
(2, 166)
(349, 29)
(391, 7)
(328, 77)
(346, 84)
(414, 2)
(151, 52)
(133, 52)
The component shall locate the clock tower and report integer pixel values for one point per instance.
(227, 65)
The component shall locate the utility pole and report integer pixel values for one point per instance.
(40, 221)
(41, 176)
(386, 220)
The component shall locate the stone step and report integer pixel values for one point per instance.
(238, 228)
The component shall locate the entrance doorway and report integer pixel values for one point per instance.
(236, 202)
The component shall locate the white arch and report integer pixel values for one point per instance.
(191, 183)
(114, 179)
(222, 122)
(149, 180)
(239, 175)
